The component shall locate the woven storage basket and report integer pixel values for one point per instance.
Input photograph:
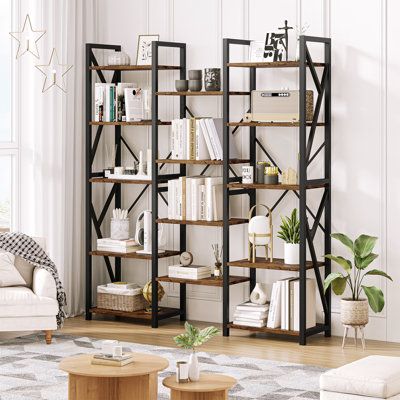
(120, 302)
(354, 312)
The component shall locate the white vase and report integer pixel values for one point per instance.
(291, 251)
(194, 368)
(258, 296)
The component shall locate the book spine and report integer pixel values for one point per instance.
(202, 202)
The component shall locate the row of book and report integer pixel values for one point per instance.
(118, 246)
(193, 272)
(283, 311)
(198, 139)
(195, 198)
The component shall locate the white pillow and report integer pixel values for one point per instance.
(9, 275)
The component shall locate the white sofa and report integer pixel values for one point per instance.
(32, 307)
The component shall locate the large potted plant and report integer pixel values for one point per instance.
(290, 234)
(354, 309)
(191, 339)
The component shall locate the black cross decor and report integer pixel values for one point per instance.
(286, 28)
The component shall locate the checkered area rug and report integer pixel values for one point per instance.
(29, 370)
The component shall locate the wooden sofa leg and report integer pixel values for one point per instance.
(48, 336)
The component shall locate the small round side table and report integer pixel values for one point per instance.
(99, 382)
(208, 387)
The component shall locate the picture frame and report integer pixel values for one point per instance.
(256, 51)
(143, 55)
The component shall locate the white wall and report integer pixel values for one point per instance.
(365, 64)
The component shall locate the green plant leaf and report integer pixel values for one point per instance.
(290, 228)
(379, 272)
(375, 298)
(364, 245)
(362, 263)
(344, 240)
(344, 263)
(337, 287)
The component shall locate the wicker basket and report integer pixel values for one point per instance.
(120, 302)
(354, 312)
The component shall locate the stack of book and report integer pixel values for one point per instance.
(250, 314)
(118, 246)
(112, 361)
(195, 198)
(189, 272)
(284, 311)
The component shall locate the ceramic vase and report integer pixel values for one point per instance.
(258, 296)
(212, 79)
(194, 368)
(291, 251)
(354, 312)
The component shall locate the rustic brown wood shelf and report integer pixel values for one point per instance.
(201, 162)
(131, 123)
(233, 280)
(232, 221)
(273, 187)
(275, 331)
(164, 312)
(127, 181)
(139, 256)
(201, 93)
(275, 64)
(272, 124)
(131, 67)
(276, 264)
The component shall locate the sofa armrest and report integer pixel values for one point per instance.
(44, 284)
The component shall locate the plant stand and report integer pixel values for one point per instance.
(355, 327)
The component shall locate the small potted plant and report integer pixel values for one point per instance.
(290, 234)
(354, 309)
(191, 339)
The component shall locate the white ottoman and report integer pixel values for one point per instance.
(373, 377)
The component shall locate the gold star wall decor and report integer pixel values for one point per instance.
(27, 39)
(54, 73)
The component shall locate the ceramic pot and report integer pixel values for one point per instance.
(195, 74)
(118, 58)
(271, 179)
(195, 85)
(291, 251)
(181, 85)
(212, 79)
(354, 312)
(258, 296)
(194, 368)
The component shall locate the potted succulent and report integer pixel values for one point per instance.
(192, 338)
(354, 309)
(290, 234)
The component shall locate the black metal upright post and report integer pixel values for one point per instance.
(303, 191)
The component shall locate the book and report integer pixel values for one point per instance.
(310, 304)
(133, 104)
(274, 315)
(195, 184)
(102, 359)
(254, 324)
(116, 242)
(207, 139)
(116, 249)
(209, 182)
(123, 285)
(191, 138)
(285, 303)
(248, 306)
(201, 145)
(190, 268)
(215, 137)
(189, 272)
(250, 315)
(98, 101)
(120, 105)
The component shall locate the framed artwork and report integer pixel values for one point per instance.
(275, 47)
(144, 49)
(256, 51)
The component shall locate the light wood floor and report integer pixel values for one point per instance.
(321, 351)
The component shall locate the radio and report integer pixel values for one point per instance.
(279, 106)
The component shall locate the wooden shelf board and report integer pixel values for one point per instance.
(264, 329)
(163, 313)
(201, 93)
(275, 64)
(272, 124)
(128, 181)
(272, 187)
(233, 280)
(139, 256)
(202, 162)
(232, 221)
(131, 67)
(132, 123)
(277, 264)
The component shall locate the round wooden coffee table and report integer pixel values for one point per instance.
(209, 387)
(137, 380)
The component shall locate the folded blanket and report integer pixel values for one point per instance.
(25, 247)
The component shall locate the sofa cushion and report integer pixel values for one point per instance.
(25, 269)
(9, 275)
(22, 302)
(373, 376)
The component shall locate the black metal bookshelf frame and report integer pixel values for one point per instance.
(307, 233)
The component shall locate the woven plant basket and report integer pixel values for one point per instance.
(121, 302)
(354, 312)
